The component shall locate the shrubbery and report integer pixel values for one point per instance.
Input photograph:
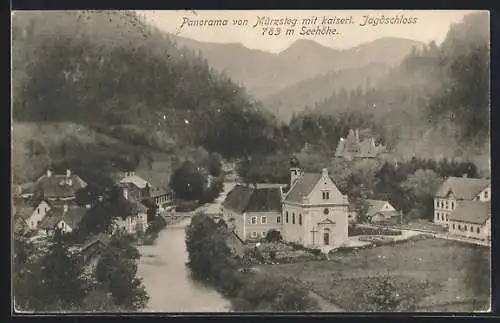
(359, 231)
(210, 260)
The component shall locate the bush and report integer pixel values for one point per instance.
(358, 231)
(273, 236)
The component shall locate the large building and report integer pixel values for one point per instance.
(252, 211)
(463, 205)
(357, 145)
(58, 187)
(315, 212)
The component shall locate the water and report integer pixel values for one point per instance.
(166, 277)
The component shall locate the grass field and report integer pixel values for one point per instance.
(430, 274)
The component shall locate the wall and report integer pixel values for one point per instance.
(484, 230)
(485, 194)
(442, 209)
(38, 214)
(261, 229)
(325, 183)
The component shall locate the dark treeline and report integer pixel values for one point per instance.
(112, 69)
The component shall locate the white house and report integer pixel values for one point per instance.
(381, 211)
(471, 219)
(456, 189)
(133, 214)
(66, 218)
(315, 212)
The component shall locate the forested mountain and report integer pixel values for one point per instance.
(294, 98)
(114, 73)
(435, 104)
(265, 73)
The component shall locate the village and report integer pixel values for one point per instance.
(284, 223)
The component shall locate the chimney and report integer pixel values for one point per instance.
(68, 173)
(49, 172)
(65, 208)
(464, 175)
(324, 172)
(125, 193)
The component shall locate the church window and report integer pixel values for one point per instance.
(452, 205)
(286, 220)
(300, 219)
(326, 195)
(254, 220)
(326, 211)
(278, 219)
(293, 218)
(453, 226)
(477, 230)
(471, 228)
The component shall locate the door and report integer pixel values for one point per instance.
(326, 237)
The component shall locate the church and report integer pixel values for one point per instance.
(314, 211)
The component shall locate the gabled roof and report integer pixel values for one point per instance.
(72, 217)
(248, 199)
(136, 180)
(302, 187)
(375, 206)
(462, 187)
(475, 212)
(58, 186)
(326, 221)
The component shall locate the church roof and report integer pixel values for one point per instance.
(302, 187)
(475, 212)
(462, 187)
(249, 199)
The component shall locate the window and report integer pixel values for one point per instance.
(254, 234)
(293, 218)
(300, 219)
(263, 234)
(477, 230)
(263, 220)
(326, 211)
(446, 204)
(446, 217)
(453, 226)
(278, 219)
(254, 219)
(326, 195)
(459, 227)
(465, 227)
(37, 211)
(471, 228)
(452, 205)
(286, 217)
(486, 194)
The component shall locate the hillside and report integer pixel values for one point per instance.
(294, 98)
(435, 104)
(110, 72)
(265, 73)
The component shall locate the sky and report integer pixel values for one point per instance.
(430, 25)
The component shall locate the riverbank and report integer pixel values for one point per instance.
(168, 282)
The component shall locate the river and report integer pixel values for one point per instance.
(166, 277)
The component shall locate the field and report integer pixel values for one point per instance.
(430, 275)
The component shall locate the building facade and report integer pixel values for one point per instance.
(251, 212)
(315, 213)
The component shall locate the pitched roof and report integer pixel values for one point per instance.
(248, 199)
(462, 187)
(58, 186)
(72, 217)
(476, 212)
(375, 206)
(302, 187)
(136, 180)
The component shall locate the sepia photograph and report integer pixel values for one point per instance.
(250, 161)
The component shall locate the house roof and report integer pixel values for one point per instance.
(388, 214)
(375, 206)
(475, 212)
(248, 199)
(128, 207)
(302, 187)
(58, 186)
(462, 187)
(136, 180)
(72, 217)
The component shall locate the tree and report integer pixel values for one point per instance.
(187, 182)
(420, 188)
(61, 283)
(116, 272)
(361, 206)
(273, 236)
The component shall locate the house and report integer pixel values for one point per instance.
(131, 214)
(91, 251)
(382, 211)
(66, 219)
(455, 189)
(315, 212)
(252, 211)
(354, 147)
(61, 187)
(471, 219)
(148, 184)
